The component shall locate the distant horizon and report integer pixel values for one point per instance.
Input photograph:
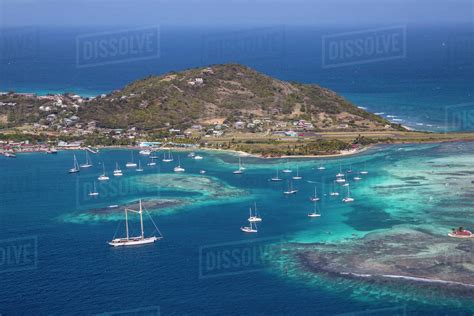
(238, 12)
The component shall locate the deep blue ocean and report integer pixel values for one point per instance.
(55, 260)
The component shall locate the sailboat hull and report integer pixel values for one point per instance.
(134, 241)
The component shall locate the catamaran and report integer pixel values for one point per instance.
(88, 162)
(240, 170)
(94, 192)
(255, 217)
(103, 176)
(315, 198)
(315, 212)
(348, 198)
(139, 169)
(75, 167)
(287, 170)
(290, 190)
(117, 171)
(276, 178)
(169, 158)
(178, 168)
(138, 240)
(297, 177)
(131, 164)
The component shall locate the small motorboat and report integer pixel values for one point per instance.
(461, 233)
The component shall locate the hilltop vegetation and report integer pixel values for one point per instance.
(225, 94)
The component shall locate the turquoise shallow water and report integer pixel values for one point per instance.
(205, 264)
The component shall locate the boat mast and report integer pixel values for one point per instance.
(126, 222)
(141, 219)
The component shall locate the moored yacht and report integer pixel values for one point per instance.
(255, 217)
(348, 198)
(131, 164)
(137, 240)
(290, 190)
(178, 168)
(94, 192)
(297, 177)
(276, 178)
(88, 162)
(117, 171)
(75, 167)
(103, 176)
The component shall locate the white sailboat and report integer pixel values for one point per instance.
(340, 174)
(297, 177)
(321, 167)
(88, 162)
(117, 171)
(131, 164)
(139, 169)
(358, 177)
(287, 170)
(197, 157)
(315, 212)
(75, 167)
(240, 170)
(334, 192)
(255, 217)
(202, 171)
(340, 180)
(152, 162)
(169, 158)
(350, 169)
(103, 176)
(315, 198)
(137, 240)
(144, 152)
(153, 155)
(348, 198)
(252, 228)
(365, 170)
(276, 178)
(178, 168)
(94, 192)
(290, 190)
